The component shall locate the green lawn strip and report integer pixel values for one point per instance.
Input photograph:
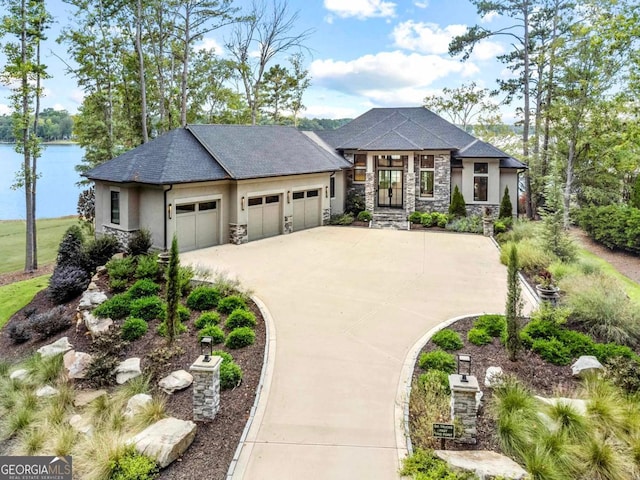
(12, 241)
(632, 288)
(16, 295)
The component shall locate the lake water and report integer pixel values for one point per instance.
(56, 190)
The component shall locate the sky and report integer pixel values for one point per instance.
(362, 54)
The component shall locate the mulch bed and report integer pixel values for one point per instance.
(212, 450)
(541, 377)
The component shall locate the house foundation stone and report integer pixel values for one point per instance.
(288, 224)
(326, 216)
(464, 407)
(410, 182)
(122, 236)
(238, 233)
(206, 388)
(370, 191)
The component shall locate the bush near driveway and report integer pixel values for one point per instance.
(203, 298)
(240, 337)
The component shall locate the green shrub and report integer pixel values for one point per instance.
(458, 207)
(118, 306)
(472, 224)
(342, 219)
(435, 379)
(231, 303)
(19, 333)
(148, 308)
(71, 251)
(133, 328)
(230, 372)
(614, 226)
(552, 351)
(605, 352)
(494, 325)
(442, 219)
(521, 229)
(577, 343)
(539, 329)
(118, 284)
(364, 216)
(184, 314)
(531, 256)
(140, 242)
(67, 282)
(49, 323)
(133, 466)
(143, 288)
(206, 319)
(100, 250)
(162, 328)
(185, 275)
(240, 318)
(499, 227)
(415, 217)
(506, 207)
(240, 337)
(212, 331)
(147, 267)
(438, 360)
(121, 268)
(203, 298)
(427, 219)
(424, 465)
(479, 336)
(447, 339)
(624, 373)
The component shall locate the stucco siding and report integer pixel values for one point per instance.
(151, 211)
(337, 202)
(493, 191)
(509, 178)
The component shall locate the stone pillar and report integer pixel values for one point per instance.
(410, 188)
(370, 191)
(464, 407)
(238, 233)
(288, 224)
(326, 216)
(206, 388)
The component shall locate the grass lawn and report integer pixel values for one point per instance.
(631, 287)
(16, 295)
(12, 241)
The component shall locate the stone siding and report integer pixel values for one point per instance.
(288, 224)
(122, 236)
(238, 233)
(464, 409)
(410, 182)
(441, 186)
(206, 388)
(480, 210)
(326, 216)
(370, 192)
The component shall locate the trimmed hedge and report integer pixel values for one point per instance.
(447, 339)
(203, 298)
(614, 226)
(133, 328)
(116, 307)
(206, 319)
(143, 288)
(148, 308)
(240, 337)
(240, 318)
(479, 336)
(212, 331)
(438, 360)
(231, 303)
(494, 325)
(230, 371)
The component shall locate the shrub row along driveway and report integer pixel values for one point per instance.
(348, 304)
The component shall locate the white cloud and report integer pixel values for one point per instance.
(423, 4)
(361, 8)
(387, 72)
(4, 109)
(59, 106)
(487, 50)
(76, 96)
(326, 111)
(209, 43)
(489, 17)
(425, 37)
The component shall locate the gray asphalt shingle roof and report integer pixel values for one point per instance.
(175, 157)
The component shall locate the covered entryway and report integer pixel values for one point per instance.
(197, 225)
(390, 188)
(264, 217)
(306, 209)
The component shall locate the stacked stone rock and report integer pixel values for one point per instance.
(464, 407)
(206, 388)
(238, 233)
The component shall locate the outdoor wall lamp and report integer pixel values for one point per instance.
(206, 348)
(288, 196)
(242, 203)
(326, 191)
(169, 208)
(464, 362)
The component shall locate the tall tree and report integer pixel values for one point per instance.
(514, 304)
(276, 94)
(463, 105)
(266, 33)
(301, 82)
(26, 21)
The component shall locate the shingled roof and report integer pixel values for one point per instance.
(217, 152)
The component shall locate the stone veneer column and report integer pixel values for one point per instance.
(206, 388)
(442, 183)
(370, 191)
(238, 233)
(410, 182)
(288, 224)
(326, 216)
(463, 406)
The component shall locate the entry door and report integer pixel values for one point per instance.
(390, 188)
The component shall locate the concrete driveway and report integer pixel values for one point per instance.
(348, 304)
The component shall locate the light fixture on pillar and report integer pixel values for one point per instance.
(169, 208)
(464, 366)
(242, 203)
(206, 348)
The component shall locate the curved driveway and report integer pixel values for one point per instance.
(348, 304)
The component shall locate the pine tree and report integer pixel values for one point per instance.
(514, 306)
(458, 207)
(173, 291)
(506, 208)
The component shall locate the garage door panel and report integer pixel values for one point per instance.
(197, 225)
(306, 209)
(254, 229)
(186, 224)
(312, 212)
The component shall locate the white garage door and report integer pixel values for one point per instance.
(306, 209)
(264, 217)
(197, 225)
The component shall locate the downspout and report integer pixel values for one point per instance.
(165, 214)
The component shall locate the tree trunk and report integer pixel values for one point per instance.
(569, 180)
(143, 84)
(526, 120)
(185, 70)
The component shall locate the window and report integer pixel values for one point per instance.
(298, 195)
(480, 181)
(332, 187)
(255, 201)
(185, 208)
(391, 160)
(360, 167)
(115, 207)
(312, 193)
(427, 175)
(206, 206)
(272, 199)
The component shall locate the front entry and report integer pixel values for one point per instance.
(390, 188)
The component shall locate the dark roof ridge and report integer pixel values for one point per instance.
(206, 147)
(323, 151)
(393, 112)
(399, 134)
(466, 147)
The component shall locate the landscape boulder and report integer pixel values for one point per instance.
(178, 380)
(46, 391)
(493, 377)
(96, 326)
(127, 370)
(165, 440)
(20, 374)
(76, 363)
(586, 364)
(136, 403)
(578, 404)
(91, 298)
(81, 424)
(483, 463)
(85, 397)
(61, 345)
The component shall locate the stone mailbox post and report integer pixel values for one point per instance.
(206, 388)
(463, 406)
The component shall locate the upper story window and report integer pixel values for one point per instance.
(360, 167)
(390, 160)
(332, 187)
(480, 181)
(115, 207)
(427, 175)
